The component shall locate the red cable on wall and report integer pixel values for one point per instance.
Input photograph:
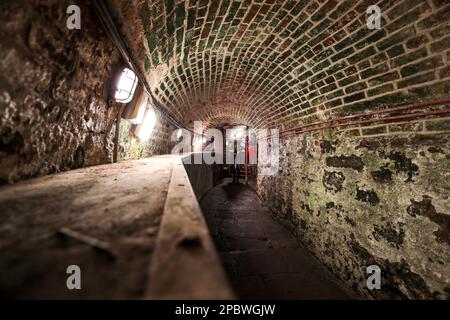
(410, 116)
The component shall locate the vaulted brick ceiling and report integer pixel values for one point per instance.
(279, 63)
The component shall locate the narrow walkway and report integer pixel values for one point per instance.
(263, 260)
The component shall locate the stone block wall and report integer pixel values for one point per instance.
(55, 85)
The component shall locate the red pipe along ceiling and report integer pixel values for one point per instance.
(356, 119)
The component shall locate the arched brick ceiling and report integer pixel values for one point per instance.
(277, 63)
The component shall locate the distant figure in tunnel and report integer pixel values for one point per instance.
(236, 167)
(236, 170)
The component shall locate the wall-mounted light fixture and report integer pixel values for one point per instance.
(126, 85)
(179, 133)
(145, 128)
(135, 109)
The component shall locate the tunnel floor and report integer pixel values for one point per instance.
(262, 259)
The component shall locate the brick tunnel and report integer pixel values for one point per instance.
(335, 115)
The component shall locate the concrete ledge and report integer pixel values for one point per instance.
(135, 229)
(185, 264)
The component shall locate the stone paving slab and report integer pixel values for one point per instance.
(263, 260)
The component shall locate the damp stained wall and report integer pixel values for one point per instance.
(377, 200)
(54, 90)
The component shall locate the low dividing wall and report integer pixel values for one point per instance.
(202, 176)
